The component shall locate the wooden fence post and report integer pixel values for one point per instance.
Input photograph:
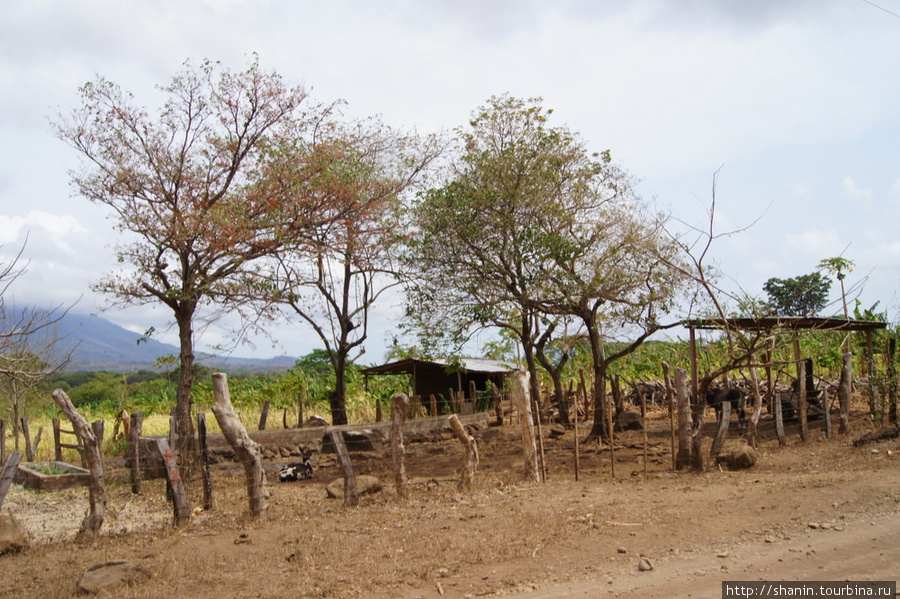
(8, 472)
(399, 413)
(522, 398)
(134, 450)
(263, 416)
(2, 440)
(683, 400)
(351, 492)
(179, 497)
(204, 462)
(844, 393)
(91, 524)
(26, 434)
(244, 447)
(467, 474)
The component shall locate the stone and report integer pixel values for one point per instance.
(741, 458)
(365, 485)
(13, 537)
(645, 565)
(109, 576)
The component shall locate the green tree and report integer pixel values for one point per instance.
(805, 295)
(182, 184)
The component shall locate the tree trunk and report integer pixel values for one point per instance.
(338, 398)
(244, 447)
(185, 449)
(467, 472)
(683, 399)
(91, 524)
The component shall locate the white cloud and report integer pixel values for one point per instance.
(894, 193)
(856, 193)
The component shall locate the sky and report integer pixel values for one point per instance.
(792, 105)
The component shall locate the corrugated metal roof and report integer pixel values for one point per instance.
(469, 364)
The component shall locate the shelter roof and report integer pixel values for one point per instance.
(468, 364)
(791, 323)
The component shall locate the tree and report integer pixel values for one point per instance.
(31, 348)
(805, 295)
(183, 185)
(332, 276)
(532, 226)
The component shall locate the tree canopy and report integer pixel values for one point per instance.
(805, 295)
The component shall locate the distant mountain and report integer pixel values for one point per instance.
(98, 344)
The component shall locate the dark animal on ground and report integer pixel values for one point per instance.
(295, 471)
(715, 397)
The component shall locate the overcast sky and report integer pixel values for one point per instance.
(796, 101)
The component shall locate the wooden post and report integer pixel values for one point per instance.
(467, 473)
(263, 416)
(522, 398)
(26, 434)
(540, 439)
(351, 492)
(644, 426)
(473, 393)
(57, 439)
(722, 431)
(683, 398)
(433, 405)
(3, 441)
(182, 509)
(498, 403)
(757, 408)
(801, 388)
(378, 414)
(91, 524)
(8, 472)
(204, 462)
(134, 450)
(246, 450)
(670, 401)
(779, 420)
(844, 393)
(892, 382)
(399, 413)
(612, 435)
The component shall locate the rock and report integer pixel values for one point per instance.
(723, 554)
(741, 458)
(365, 485)
(621, 550)
(629, 421)
(316, 421)
(557, 431)
(358, 440)
(645, 565)
(13, 537)
(109, 576)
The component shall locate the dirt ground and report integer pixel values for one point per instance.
(822, 510)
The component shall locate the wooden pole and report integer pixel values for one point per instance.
(264, 415)
(204, 462)
(182, 510)
(892, 378)
(670, 401)
(299, 409)
(57, 440)
(433, 410)
(134, 449)
(399, 413)
(246, 450)
(3, 441)
(522, 398)
(722, 430)
(575, 427)
(801, 388)
(498, 403)
(644, 427)
(91, 524)
(351, 492)
(683, 398)
(779, 421)
(26, 434)
(612, 435)
(467, 473)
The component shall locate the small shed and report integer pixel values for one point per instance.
(438, 377)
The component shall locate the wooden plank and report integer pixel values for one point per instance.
(8, 473)
(351, 493)
(179, 498)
